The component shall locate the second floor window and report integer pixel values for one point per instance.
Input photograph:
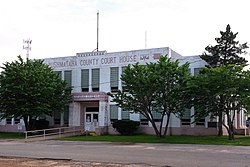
(95, 79)
(114, 78)
(68, 78)
(113, 113)
(85, 80)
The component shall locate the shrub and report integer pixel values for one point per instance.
(126, 127)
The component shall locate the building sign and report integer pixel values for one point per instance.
(90, 96)
(144, 57)
(91, 59)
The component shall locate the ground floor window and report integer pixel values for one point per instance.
(156, 116)
(212, 124)
(57, 118)
(17, 120)
(201, 122)
(186, 117)
(66, 116)
(113, 113)
(143, 120)
(125, 114)
(8, 120)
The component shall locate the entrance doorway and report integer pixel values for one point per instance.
(91, 118)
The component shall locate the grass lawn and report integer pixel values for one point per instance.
(208, 140)
(11, 135)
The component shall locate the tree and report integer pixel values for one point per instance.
(29, 89)
(154, 87)
(227, 51)
(222, 90)
(170, 82)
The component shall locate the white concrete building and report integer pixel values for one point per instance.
(92, 74)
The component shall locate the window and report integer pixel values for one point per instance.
(59, 73)
(123, 84)
(57, 118)
(144, 120)
(66, 116)
(68, 78)
(95, 79)
(125, 114)
(113, 113)
(156, 116)
(197, 71)
(212, 124)
(85, 80)
(114, 78)
(92, 109)
(17, 120)
(8, 120)
(201, 122)
(186, 118)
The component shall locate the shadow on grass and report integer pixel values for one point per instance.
(12, 135)
(204, 140)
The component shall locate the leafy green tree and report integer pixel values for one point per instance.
(170, 80)
(154, 87)
(29, 89)
(219, 90)
(227, 51)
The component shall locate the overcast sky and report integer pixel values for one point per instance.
(65, 27)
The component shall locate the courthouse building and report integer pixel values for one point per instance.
(92, 74)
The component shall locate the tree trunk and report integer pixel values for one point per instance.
(230, 134)
(220, 132)
(230, 129)
(155, 128)
(26, 122)
(166, 127)
(162, 117)
(149, 118)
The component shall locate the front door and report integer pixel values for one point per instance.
(91, 118)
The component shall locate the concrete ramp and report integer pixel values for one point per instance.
(45, 134)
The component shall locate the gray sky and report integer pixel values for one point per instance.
(64, 27)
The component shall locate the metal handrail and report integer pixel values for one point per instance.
(56, 132)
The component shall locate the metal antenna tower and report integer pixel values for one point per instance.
(26, 46)
(97, 41)
(97, 31)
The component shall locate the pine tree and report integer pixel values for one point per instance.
(227, 51)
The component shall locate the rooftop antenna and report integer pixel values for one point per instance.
(26, 46)
(145, 39)
(97, 43)
(97, 30)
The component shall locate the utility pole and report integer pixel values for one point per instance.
(26, 46)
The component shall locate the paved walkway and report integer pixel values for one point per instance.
(151, 154)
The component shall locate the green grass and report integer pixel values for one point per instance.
(206, 140)
(11, 135)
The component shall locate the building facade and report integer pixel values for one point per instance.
(92, 74)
